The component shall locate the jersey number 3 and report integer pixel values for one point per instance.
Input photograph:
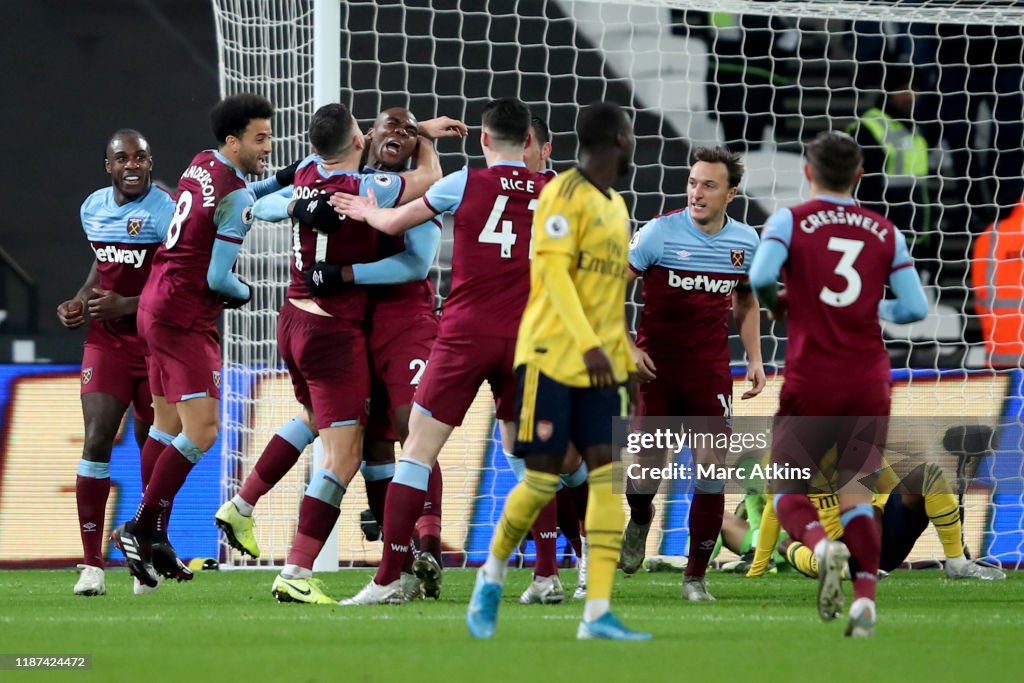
(849, 250)
(505, 237)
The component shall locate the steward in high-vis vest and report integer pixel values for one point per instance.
(997, 275)
(895, 182)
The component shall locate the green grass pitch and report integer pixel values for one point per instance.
(225, 626)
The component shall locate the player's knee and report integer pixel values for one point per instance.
(203, 436)
(99, 442)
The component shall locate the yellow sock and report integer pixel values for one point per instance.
(522, 506)
(803, 559)
(942, 509)
(605, 521)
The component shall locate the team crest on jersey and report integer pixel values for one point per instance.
(738, 256)
(216, 378)
(86, 375)
(545, 429)
(134, 226)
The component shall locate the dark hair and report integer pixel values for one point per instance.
(540, 127)
(123, 133)
(720, 155)
(231, 116)
(834, 159)
(507, 119)
(330, 130)
(600, 124)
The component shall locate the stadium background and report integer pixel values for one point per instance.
(166, 55)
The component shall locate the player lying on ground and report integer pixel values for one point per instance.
(190, 284)
(694, 265)
(836, 258)
(124, 223)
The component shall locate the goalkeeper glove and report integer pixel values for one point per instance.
(325, 279)
(286, 176)
(317, 213)
(229, 301)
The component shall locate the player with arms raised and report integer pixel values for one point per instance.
(493, 208)
(835, 258)
(573, 362)
(124, 223)
(694, 265)
(191, 282)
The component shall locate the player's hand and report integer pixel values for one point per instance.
(286, 176)
(71, 313)
(443, 127)
(109, 305)
(354, 206)
(781, 306)
(755, 375)
(325, 279)
(644, 365)
(599, 367)
(234, 302)
(316, 212)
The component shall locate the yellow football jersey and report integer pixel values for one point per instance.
(575, 218)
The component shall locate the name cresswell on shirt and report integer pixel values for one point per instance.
(701, 283)
(112, 254)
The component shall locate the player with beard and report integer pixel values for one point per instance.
(190, 284)
(124, 223)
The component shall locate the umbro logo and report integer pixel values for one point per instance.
(89, 526)
(683, 254)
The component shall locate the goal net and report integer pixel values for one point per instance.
(761, 77)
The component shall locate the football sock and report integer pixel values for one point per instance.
(568, 519)
(428, 526)
(706, 512)
(799, 518)
(595, 609)
(92, 488)
(402, 507)
(605, 521)
(942, 508)
(154, 445)
(801, 557)
(545, 537)
(318, 514)
(168, 477)
(377, 478)
(294, 571)
(860, 534)
(522, 507)
(641, 507)
(276, 460)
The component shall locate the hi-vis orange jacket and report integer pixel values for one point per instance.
(997, 275)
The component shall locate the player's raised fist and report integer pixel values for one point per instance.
(71, 313)
(599, 367)
(443, 127)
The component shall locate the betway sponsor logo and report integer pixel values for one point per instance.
(112, 254)
(701, 283)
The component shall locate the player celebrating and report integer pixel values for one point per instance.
(835, 258)
(573, 362)
(124, 224)
(490, 269)
(694, 265)
(190, 284)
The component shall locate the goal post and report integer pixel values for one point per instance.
(762, 77)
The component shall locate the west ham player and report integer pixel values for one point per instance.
(573, 362)
(392, 143)
(694, 265)
(835, 258)
(490, 266)
(320, 327)
(124, 224)
(190, 284)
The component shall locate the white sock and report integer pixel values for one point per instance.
(495, 569)
(957, 562)
(595, 609)
(819, 550)
(245, 509)
(294, 571)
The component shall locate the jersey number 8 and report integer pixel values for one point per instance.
(181, 211)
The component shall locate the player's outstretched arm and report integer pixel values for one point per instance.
(748, 321)
(234, 216)
(71, 313)
(389, 221)
(409, 265)
(443, 127)
(281, 179)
